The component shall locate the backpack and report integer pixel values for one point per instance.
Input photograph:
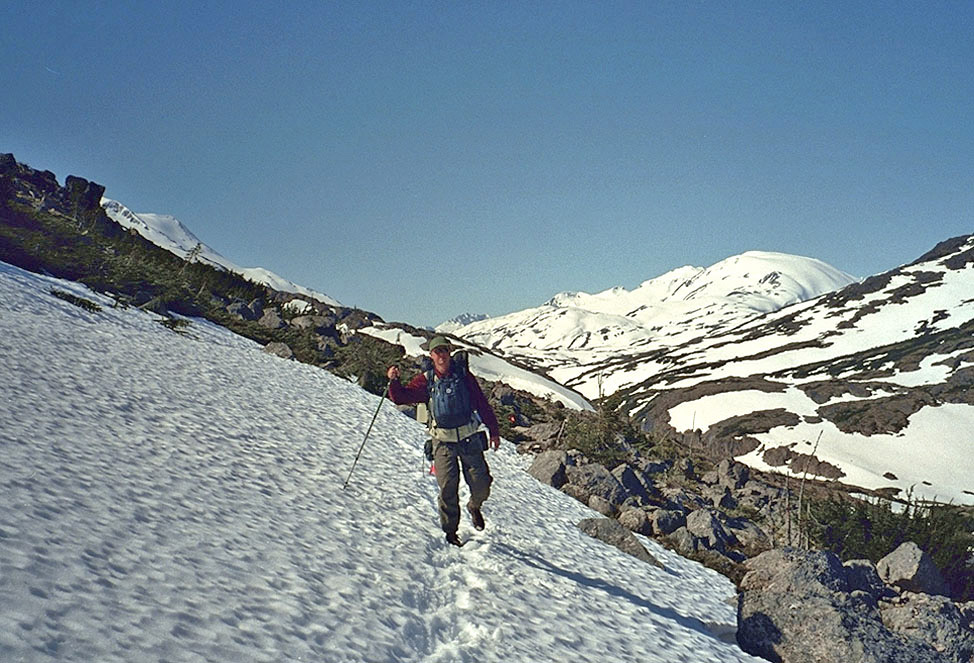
(449, 402)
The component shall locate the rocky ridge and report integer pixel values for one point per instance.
(794, 605)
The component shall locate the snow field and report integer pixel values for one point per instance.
(178, 497)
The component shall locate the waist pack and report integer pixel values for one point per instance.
(478, 439)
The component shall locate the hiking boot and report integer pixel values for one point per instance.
(477, 518)
(453, 539)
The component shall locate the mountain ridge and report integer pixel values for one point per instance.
(172, 234)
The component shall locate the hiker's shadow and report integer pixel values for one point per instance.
(723, 632)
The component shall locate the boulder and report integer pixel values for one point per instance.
(751, 539)
(630, 481)
(86, 195)
(683, 499)
(595, 479)
(602, 505)
(636, 520)
(242, 311)
(704, 524)
(863, 577)
(652, 468)
(732, 475)
(541, 437)
(721, 497)
(912, 570)
(549, 468)
(279, 349)
(611, 532)
(303, 322)
(271, 320)
(667, 521)
(798, 607)
(576, 491)
(946, 626)
(684, 542)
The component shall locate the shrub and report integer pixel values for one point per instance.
(80, 302)
(367, 359)
(177, 325)
(856, 529)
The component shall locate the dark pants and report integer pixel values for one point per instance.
(449, 458)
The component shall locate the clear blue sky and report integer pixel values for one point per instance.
(422, 159)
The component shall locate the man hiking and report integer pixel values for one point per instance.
(454, 400)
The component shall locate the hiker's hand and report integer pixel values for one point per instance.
(393, 373)
(495, 443)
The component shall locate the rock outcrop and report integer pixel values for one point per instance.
(807, 607)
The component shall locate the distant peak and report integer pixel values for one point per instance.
(459, 321)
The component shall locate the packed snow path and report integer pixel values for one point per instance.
(178, 497)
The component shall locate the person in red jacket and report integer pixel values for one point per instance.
(454, 400)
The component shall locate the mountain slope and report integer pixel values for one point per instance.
(169, 233)
(179, 497)
(876, 378)
(881, 370)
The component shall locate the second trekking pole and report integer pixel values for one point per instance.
(362, 446)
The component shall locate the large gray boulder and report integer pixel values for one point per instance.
(667, 521)
(603, 506)
(912, 570)
(549, 468)
(705, 525)
(595, 479)
(945, 625)
(271, 319)
(751, 539)
(610, 531)
(242, 310)
(630, 481)
(279, 349)
(798, 607)
(636, 520)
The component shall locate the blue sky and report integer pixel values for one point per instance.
(423, 159)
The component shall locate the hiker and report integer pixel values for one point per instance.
(454, 400)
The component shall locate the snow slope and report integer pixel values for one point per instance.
(169, 233)
(178, 497)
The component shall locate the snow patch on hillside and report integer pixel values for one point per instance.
(180, 497)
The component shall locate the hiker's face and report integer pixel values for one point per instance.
(441, 359)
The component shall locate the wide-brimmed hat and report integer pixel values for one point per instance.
(438, 342)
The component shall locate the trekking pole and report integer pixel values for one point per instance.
(362, 446)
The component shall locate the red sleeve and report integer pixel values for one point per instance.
(414, 392)
(482, 407)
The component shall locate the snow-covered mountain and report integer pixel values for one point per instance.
(574, 333)
(459, 321)
(879, 375)
(877, 378)
(170, 233)
(180, 497)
